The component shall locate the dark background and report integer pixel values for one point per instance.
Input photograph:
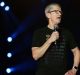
(24, 17)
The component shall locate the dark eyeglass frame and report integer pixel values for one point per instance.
(56, 11)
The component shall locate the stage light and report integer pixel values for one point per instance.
(8, 70)
(9, 39)
(2, 4)
(9, 55)
(7, 8)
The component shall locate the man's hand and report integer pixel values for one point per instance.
(71, 72)
(54, 36)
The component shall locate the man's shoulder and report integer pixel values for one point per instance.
(66, 30)
(40, 30)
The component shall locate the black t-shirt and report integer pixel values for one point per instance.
(56, 55)
(41, 35)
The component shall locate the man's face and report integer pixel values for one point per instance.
(55, 14)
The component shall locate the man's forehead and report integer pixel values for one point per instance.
(55, 7)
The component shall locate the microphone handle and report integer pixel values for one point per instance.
(55, 31)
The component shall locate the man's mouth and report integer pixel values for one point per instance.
(58, 17)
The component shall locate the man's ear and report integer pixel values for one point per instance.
(48, 15)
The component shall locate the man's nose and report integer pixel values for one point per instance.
(59, 13)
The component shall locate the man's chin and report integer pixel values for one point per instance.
(58, 22)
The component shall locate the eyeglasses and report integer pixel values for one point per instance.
(56, 11)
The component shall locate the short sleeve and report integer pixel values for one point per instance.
(36, 40)
(71, 40)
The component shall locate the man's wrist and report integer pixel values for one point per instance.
(75, 67)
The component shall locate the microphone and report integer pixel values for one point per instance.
(55, 29)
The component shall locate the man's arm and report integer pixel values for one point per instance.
(76, 62)
(76, 54)
(38, 52)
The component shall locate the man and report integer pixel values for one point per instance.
(51, 44)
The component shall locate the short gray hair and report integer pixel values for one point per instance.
(49, 7)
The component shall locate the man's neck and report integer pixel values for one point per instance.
(52, 26)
